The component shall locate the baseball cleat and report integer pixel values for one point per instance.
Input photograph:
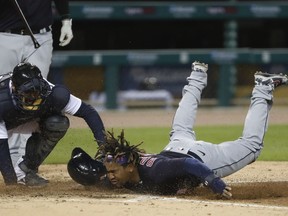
(31, 178)
(199, 67)
(273, 80)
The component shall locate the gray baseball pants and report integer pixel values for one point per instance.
(13, 49)
(227, 157)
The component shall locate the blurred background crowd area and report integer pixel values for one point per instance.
(139, 53)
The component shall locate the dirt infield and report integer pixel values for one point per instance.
(259, 189)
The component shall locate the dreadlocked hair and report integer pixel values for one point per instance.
(119, 148)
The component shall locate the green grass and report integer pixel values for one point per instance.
(155, 139)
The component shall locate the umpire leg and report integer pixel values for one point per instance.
(39, 145)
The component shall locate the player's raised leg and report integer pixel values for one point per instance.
(185, 115)
(256, 122)
(229, 157)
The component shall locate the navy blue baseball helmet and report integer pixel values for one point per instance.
(30, 89)
(83, 169)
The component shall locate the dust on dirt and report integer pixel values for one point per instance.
(259, 189)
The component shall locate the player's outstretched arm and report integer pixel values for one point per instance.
(196, 168)
(227, 192)
(218, 185)
(93, 120)
(192, 169)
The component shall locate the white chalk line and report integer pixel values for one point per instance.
(175, 199)
(144, 198)
(247, 181)
(222, 203)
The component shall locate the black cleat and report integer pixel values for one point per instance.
(31, 179)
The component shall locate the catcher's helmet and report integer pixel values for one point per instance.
(83, 169)
(30, 89)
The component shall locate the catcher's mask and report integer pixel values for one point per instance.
(83, 169)
(30, 89)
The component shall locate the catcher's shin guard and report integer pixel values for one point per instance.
(39, 145)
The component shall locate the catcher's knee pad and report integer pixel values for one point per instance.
(54, 127)
(39, 145)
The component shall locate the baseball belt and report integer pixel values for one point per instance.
(26, 32)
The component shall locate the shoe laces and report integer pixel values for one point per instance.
(273, 80)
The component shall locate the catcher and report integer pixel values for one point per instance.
(30, 104)
(16, 45)
(185, 161)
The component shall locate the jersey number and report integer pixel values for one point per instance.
(147, 161)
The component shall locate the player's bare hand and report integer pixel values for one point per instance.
(66, 32)
(227, 192)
